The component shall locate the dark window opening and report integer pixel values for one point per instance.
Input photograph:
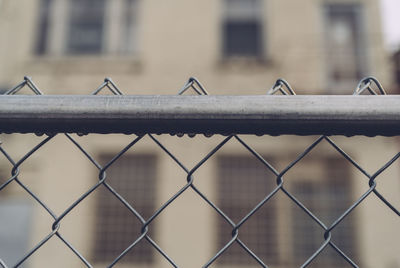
(344, 43)
(242, 29)
(242, 39)
(86, 27)
(134, 178)
(43, 27)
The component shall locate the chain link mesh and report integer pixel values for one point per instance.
(368, 85)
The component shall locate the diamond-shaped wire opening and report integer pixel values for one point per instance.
(71, 212)
(314, 179)
(327, 196)
(117, 227)
(374, 175)
(220, 214)
(183, 192)
(190, 178)
(40, 175)
(179, 162)
(178, 199)
(376, 158)
(18, 166)
(242, 182)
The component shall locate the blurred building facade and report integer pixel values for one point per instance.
(233, 47)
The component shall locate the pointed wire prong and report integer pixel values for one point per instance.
(190, 83)
(365, 84)
(108, 83)
(113, 86)
(279, 85)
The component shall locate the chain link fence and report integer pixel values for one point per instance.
(277, 182)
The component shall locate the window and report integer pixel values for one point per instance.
(280, 233)
(86, 27)
(242, 183)
(344, 36)
(242, 29)
(134, 178)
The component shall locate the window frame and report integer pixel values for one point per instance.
(144, 208)
(258, 19)
(56, 31)
(358, 9)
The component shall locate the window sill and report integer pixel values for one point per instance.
(83, 64)
(244, 64)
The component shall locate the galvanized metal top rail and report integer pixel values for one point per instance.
(271, 114)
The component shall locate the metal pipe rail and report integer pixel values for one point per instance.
(273, 115)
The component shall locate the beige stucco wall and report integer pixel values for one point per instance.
(178, 39)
